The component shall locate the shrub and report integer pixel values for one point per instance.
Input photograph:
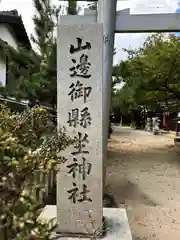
(29, 144)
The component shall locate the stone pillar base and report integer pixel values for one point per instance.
(116, 223)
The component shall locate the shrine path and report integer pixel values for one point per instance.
(143, 175)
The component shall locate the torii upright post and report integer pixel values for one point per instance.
(107, 16)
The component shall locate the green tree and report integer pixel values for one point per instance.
(21, 63)
(151, 73)
(72, 7)
(34, 74)
(43, 83)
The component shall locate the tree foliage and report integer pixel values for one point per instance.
(72, 8)
(42, 84)
(29, 145)
(21, 63)
(151, 75)
(33, 74)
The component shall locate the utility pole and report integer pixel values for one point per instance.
(107, 16)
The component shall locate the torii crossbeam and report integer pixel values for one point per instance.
(141, 23)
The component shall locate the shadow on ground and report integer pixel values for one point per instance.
(143, 174)
(125, 190)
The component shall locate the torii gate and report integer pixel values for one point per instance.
(120, 22)
(123, 22)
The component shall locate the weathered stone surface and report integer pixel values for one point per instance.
(116, 218)
(79, 181)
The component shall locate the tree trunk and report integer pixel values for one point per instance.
(72, 7)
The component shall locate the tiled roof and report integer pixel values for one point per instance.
(13, 19)
(10, 13)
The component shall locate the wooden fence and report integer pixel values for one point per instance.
(45, 182)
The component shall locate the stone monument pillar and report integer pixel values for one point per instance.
(79, 109)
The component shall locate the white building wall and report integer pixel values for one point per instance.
(2, 73)
(6, 35)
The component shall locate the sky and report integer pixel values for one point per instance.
(26, 9)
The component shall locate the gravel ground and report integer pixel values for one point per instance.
(143, 174)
